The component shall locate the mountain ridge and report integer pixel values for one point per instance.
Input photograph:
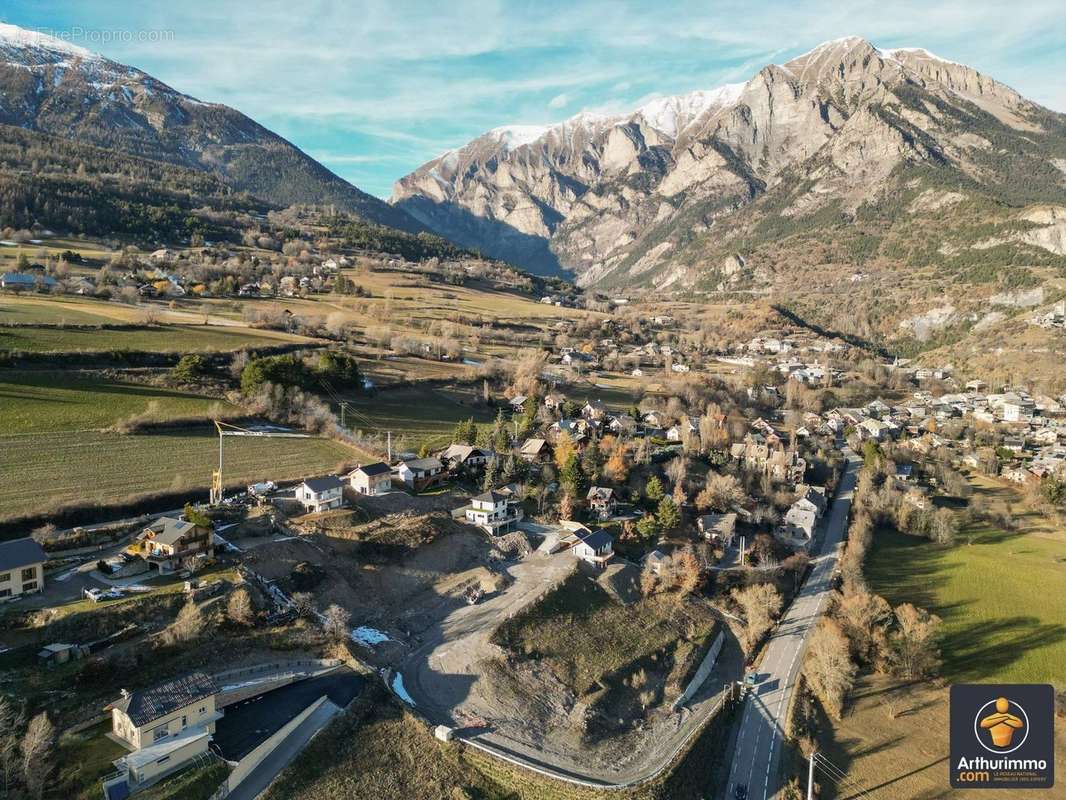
(596, 200)
(51, 86)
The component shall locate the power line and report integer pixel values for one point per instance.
(836, 774)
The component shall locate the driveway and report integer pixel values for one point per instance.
(757, 755)
(247, 724)
(440, 674)
(440, 677)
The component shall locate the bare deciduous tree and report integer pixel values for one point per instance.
(828, 666)
(36, 748)
(240, 608)
(760, 604)
(336, 623)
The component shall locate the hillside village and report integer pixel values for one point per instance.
(717, 443)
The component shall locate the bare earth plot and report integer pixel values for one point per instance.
(449, 677)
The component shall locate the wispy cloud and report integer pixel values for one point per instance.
(377, 87)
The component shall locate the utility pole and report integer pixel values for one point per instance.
(742, 551)
(344, 408)
(390, 448)
(810, 777)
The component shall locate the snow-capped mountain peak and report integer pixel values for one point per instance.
(671, 114)
(22, 44)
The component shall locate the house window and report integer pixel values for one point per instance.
(160, 733)
(163, 760)
(29, 573)
(5, 577)
(5, 593)
(29, 587)
(202, 710)
(184, 721)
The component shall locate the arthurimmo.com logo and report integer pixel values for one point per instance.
(1002, 736)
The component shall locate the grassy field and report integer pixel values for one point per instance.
(377, 751)
(83, 759)
(416, 415)
(157, 338)
(893, 742)
(40, 402)
(586, 638)
(999, 593)
(45, 470)
(28, 310)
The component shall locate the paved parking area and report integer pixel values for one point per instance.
(247, 724)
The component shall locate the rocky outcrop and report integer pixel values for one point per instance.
(636, 198)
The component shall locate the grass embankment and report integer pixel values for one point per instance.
(589, 641)
(83, 759)
(378, 751)
(999, 593)
(196, 783)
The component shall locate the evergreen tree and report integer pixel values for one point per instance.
(667, 515)
(653, 489)
(501, 442)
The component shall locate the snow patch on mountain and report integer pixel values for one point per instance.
(16, 41)
(671, 114)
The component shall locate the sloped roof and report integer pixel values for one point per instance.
(20, 553)
(144, 706)
(598, 540)
(168, 530)
(377, 468)
(319, 485)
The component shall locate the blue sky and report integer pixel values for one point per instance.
(374, 88)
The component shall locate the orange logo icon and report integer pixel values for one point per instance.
(1002, 725)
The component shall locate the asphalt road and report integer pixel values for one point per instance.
(758, 746)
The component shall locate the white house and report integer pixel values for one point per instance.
(493, 512)
(596, 548)
(321, 494)
(418, 473)
(371, 479)
(21, 567)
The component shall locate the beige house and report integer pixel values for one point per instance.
(146, 717)
(165, 727)
(21, 567)
(371, 479)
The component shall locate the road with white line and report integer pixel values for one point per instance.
(758, 747)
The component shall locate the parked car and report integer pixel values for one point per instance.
(96, 595)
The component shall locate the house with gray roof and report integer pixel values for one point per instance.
(21, 567)
(165, 728)
(321, 494)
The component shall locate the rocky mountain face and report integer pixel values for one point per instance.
(849, 163)
(50, 86)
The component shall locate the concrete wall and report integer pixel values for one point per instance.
(256, 757)
(702, 673)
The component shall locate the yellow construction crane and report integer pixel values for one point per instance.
(228, 429)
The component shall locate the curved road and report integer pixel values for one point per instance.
(758, 747)
(439, 677)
